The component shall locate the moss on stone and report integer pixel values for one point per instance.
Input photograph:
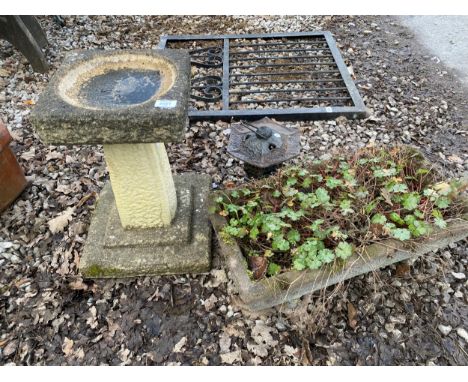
(95, 271)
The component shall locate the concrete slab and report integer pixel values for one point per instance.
(151, 251)
(445, 37)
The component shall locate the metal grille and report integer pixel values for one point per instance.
(283, 76)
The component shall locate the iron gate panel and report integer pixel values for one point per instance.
(281, 75)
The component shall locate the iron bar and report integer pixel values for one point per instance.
(286, 90)
(226, 74)
(324, 42)
(289, 64)
(279, 58)
(285, 82)
(278, 50)
(283, 73)
(291, 100)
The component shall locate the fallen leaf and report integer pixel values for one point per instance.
(67, 346)
(257, 349)
(306, 354)
(442, 187)
(53, 155)
(229, 184)
(10, 348)
(91, 320)
(29, 102)
(402, 269)
(210, 302)
(123, 354)
(80, 353)
(230, 358)
(386, 196)
(64, 189)
(179, 345)
(352, 316)
(85, 198)
(28, 155)
(258, 265)
(78, 285)
(218, 277)
(455, 159)
(291, 351)
(224, 342)
(59, 223)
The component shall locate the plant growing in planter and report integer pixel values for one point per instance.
(320, 216)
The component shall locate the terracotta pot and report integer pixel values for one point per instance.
(12, 180)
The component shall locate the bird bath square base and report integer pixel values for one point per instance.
(183, 247)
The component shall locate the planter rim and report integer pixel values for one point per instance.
(268, 292)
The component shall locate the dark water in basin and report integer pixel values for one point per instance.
(120, 87)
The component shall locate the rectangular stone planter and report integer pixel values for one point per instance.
(266, 293)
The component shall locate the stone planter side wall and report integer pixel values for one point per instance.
(263, 294)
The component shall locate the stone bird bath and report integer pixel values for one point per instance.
(132, 102)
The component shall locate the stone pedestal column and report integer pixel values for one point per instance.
(142, 184)
(146, 221)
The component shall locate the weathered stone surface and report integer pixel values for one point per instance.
(62, 118)
(104, 257)
(262, 294)
(142, 184)
(179, 231)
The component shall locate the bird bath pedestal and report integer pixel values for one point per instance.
(146, 221)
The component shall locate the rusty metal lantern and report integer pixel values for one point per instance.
(263, 145)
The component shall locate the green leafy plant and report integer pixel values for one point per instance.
(321, 213)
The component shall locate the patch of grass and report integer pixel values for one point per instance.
(306, 217)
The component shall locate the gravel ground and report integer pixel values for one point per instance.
(407, 314)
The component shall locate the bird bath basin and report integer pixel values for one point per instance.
(132, 101)
(123, 96)
(117, 81)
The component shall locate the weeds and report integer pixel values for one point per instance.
(305, 217)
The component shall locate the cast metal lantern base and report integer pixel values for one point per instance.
(263, 145)
(258, 172)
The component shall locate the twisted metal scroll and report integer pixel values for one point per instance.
(211, 57)
(207, 88)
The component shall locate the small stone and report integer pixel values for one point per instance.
(179, 345)
(210, 302)
(445, 330)
(10, 348)
(458, 276)
(223, 309)
(5, 245)
(397, 334)
(280, 326)
(462, 333)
